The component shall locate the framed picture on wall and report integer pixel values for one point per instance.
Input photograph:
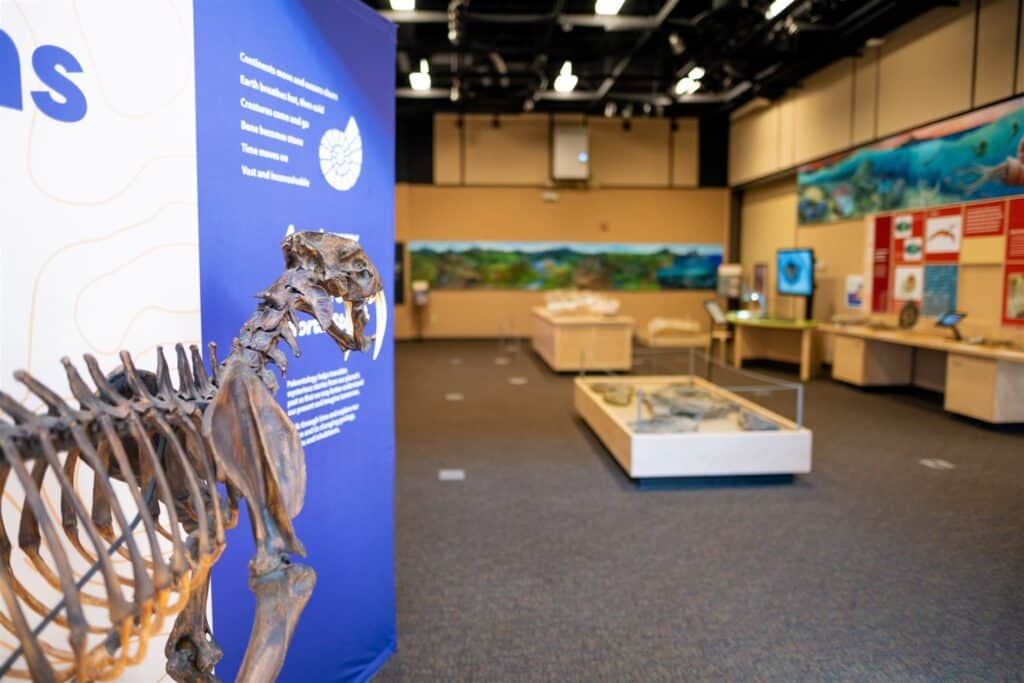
(760, 278)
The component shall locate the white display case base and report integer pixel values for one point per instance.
(720, 447)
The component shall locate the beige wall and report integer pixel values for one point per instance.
(425, 212)
(518, 152)
(928, 69)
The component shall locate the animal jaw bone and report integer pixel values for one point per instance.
(159, 450)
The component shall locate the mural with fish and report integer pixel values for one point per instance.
(565, 265)
(974, 156)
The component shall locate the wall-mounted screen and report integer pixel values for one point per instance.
(795, 272)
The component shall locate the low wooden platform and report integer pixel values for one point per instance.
(719, 447)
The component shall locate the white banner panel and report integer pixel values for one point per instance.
(98, 249)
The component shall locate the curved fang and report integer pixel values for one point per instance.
(380, 303)
(348, 325)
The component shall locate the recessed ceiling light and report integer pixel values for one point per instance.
(776, 8)
(420, 80)
(566, 81)
(696, 73)
(687, 86)
(608, 7)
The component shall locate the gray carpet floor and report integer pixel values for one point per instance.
(548, 564)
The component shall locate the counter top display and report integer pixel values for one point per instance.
(677, 426)
(993, 350)
(982, 381)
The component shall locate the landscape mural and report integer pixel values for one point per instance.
(974, 156)
(565, 265)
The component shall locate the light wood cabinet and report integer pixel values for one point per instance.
(871, 364)
(988, 389)
(981, 382)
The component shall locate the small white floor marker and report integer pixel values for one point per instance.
(937, 463)
(451, 475)
(517, 380)
(453, 396)
(501, 360)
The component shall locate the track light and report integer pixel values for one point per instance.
(420, 80)
(566, 80)
(529, 104)
(676, 43)
(687, 86)
(696, 73)
(608, 7)
(609, 109)
(776, 8)
(403, 5)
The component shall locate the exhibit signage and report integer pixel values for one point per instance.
(149, 178)
(295, 108)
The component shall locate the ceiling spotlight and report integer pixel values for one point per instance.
(566, 80)
(403, 5)
(696, 73)
(455, 95)
(529, 104)
(776, 8)
(609, 109)
(420, 80)
(874, 42)
(687, 86)
(648, 108)
(627, 112)
(676, 43)
(608, 7)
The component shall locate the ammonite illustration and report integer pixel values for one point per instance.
(341, 156)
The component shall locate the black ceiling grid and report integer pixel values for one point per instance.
(502, 56)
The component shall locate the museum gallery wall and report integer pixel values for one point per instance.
(939, 199)
(149, 179)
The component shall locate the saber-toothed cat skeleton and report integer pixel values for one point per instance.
(165, 449)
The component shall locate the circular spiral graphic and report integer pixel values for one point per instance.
(341, 156)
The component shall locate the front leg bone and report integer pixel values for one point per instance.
(281, 595)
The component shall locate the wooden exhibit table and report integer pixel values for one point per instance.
(789, 341)
(980, 381)
(584, 341)
(719, 447)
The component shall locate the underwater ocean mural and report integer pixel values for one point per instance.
(974, 156)
(565, 265)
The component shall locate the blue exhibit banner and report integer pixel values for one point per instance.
(295, 131)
